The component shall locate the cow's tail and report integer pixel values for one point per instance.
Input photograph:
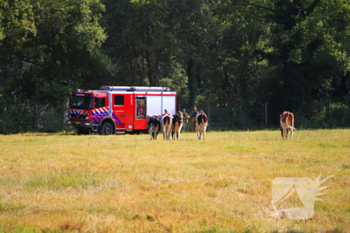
(290, 127)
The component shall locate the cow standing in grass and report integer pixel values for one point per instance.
(201, 124)
(167, 122)
(177, 125)
(154, 127)
(287, 124)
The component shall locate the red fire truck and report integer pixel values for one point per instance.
(118, 109)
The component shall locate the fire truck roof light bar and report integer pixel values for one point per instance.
(125, 88)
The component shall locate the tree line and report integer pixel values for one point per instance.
(242, 60)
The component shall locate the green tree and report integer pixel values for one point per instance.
(57, 55)
(303, 53)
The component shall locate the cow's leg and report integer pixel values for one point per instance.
(284, 133)
(198, 131)
(281, 132)
(291, 130)
(286, 126)
(203, 135)
(283, 129)
(168, 134)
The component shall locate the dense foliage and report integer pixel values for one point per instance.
(233, 58)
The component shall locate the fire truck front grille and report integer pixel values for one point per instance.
(78, 116)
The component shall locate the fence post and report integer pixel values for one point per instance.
(265, 113)
(209, 111)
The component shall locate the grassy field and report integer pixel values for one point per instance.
(127, 183)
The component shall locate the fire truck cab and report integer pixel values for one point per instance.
(118, 109)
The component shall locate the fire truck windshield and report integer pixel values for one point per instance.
(80, 101)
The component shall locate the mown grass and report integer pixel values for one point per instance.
(127, 183)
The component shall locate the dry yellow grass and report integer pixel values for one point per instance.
(59, 183)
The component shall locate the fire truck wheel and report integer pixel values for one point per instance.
(106, 128)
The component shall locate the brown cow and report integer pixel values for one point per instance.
(287, 124)
(201, 124)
